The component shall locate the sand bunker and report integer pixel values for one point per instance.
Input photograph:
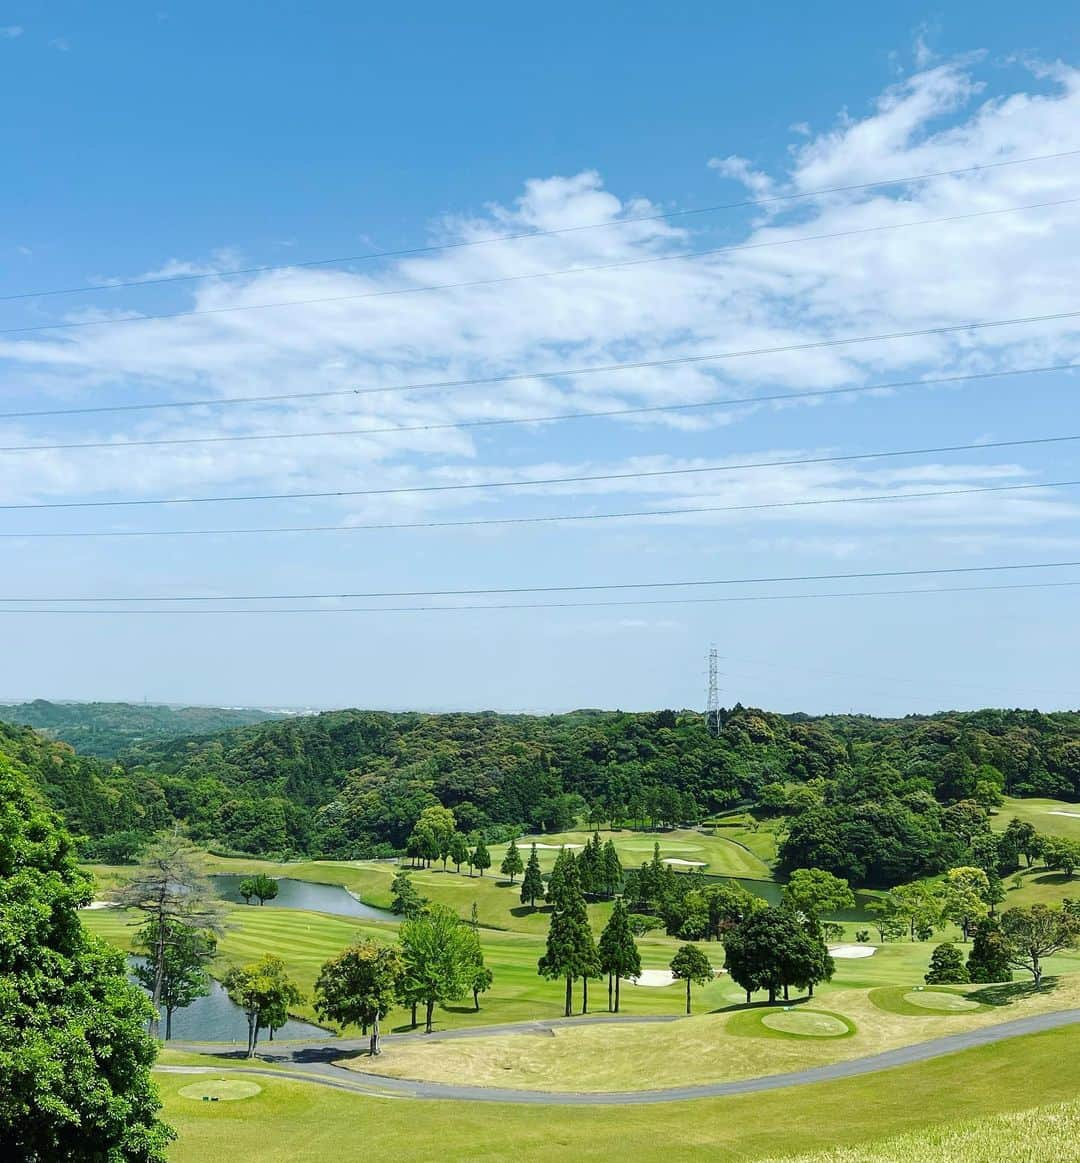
(1058, 812)
(684, 863)
(850, 952)
(656, 978)
(99, 905)
(554, 847)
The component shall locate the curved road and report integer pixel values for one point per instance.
(313, 1063)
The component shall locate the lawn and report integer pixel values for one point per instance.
(707, 1048)
(1052, 817)
(295, 1122)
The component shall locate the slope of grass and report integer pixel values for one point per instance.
(1047, 1132)
(709, 1048)
(295, 1122)
(1051, 817)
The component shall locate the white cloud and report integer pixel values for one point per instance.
(740, 170)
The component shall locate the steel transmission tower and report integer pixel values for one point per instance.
(712, 708)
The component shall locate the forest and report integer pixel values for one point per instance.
(879, 801)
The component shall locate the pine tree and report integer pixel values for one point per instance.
(511, 864)
(947, 966)
(619, 955)
(613, 872)
(458, 850)
(571, 951)
(481, 857)
(532, 885)
(988, 960)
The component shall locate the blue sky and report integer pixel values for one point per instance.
(202, 140)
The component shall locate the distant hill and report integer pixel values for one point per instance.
(106, 729)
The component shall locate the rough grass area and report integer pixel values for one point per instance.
(707, 1048)
(1047, 1132)
(220, 1090)
(296, 1122)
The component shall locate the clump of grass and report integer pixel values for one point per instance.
(1046, 1132)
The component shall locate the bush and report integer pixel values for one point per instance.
(947, 966)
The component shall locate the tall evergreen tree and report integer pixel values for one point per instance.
(619, 956)
(481, 857)
(458, 850)
(187, 952)
(613, 872)
(571, 950)
(532, 884)
(511, 863)
(988, 960)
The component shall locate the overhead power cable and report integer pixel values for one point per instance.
(607, 413)
(666, 215)
(595, 369)
(554, 518)
(524, 277)
(528, 482)
(458, 609)
(939, 571)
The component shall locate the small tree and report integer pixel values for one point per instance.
(264, 888)
(186, 953)
(964, 895)
(439, 952)
(458, 851)
(947, 966)
(512, 864)
(619, 956)
(481, 857)
(246, 889)
(988, 960)
(814, 894)
(1037, 932)
(532, 884)
(264, 991)
(359, 986)
(692, 966)
(404, 899)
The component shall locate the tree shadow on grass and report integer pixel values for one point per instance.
(526, 911)
(762, 1004)
(1009, 992)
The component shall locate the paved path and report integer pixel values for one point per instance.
(312, 1063)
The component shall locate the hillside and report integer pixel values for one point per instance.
(106, 729)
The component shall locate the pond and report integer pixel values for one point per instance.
(302, 894)
(772, 892)
(215, 1018)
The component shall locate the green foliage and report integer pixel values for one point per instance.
(512, 864)
(771, 949)
(947, 966)
(480, 857)
(692, 966)
(185, 955)
(74, 1056)
(262, 888)
(264, 991)
(618, 952)
(571, 951)
(988, 961)
(1033, 934)
(404, 899)
(532, 884)
(439, 953)
(360, 986)
(815, 894)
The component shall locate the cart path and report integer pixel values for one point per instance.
(313, 1063)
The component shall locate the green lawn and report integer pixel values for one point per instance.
(295, 1122)
(1052, 817)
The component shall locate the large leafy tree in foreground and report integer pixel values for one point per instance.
(359, 987)
(74, 1055)
(439, 952)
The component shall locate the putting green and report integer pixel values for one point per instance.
(222, 1089)
(806, 1023)
(950, 1003)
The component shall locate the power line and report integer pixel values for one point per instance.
(560, 373)
(553, 518)
(560, 589)
(661, 216)
(500, 279)
(608, 413)
(555, 605)
(727, 402)
(563, 480)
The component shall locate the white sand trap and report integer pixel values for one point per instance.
(657, 978)
(684, 863)
(553, 847)
(99, 905)
(1058, 812)
(845, 952)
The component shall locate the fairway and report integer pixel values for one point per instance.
(295, 1122)
(221, 1090)
(1051, 817)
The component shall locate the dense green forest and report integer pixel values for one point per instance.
(105, 729)
(879, 801)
